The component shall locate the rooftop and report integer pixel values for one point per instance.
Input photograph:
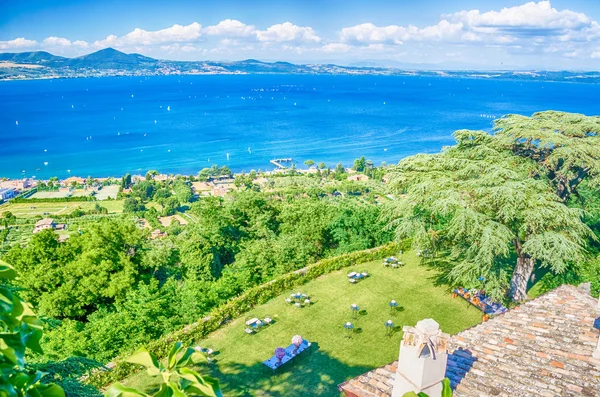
(44, 222)
(542, 348)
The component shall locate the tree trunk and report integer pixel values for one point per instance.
(521, 275)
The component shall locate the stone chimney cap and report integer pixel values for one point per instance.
(428, 326)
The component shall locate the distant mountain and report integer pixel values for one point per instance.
(110, 62)
(109, 58)
(37, 57)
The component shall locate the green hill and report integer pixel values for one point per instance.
(109, 58)
(37, 57)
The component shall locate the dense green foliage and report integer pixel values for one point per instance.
(487, 208)
(565, 145)
(100, 287)
(214, 171)
(20, 331)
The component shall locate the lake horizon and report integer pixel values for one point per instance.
(111, 126)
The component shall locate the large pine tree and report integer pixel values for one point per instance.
(565, 145)
(478, 206)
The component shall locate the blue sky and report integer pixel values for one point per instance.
(489, 34)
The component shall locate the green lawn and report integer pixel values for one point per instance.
(27, 210)
(335, 357)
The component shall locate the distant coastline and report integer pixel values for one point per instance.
(110, 62)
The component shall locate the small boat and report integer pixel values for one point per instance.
(45, 163)
(154, 121)
(17, 122)
(38, 169)
(169, 108)
(45, 150)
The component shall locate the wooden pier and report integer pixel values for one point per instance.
(278, 162)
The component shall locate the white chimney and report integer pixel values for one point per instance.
(422, 361)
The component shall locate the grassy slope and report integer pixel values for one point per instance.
(24, 210)
(335, 358)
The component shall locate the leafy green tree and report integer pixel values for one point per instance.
(126, 181)
(339, 169)
(170, 205)
(20, 330)
(359, 164)
(322, 166)
(132, 205)
(175, 378)
(151, 174)
(565, 145)
(183, 192)
(88, 271)
(309, 163)
(476, 206)
(90, 181)
(144, 190)
(162, 193)
(225, 171)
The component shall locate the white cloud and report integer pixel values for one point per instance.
(230, 28)
(595, 55)
(527, 27)
(18, 43)
(288, 32)
(367, 33)
(81, 44)
(174, 34)
(336, 47)
(56, 41)
(527, 19)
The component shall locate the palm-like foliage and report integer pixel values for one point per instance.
(20, 330)
(476, 204)
(566, 145)
(176, 378)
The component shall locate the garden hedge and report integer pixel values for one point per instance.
(235, 307)
(76, 199)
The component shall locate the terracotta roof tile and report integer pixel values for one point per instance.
(542, 348)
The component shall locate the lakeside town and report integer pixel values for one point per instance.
(45, 200)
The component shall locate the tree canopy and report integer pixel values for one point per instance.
(565, 145)
(477, 207)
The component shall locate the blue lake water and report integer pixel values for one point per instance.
(110, 126)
